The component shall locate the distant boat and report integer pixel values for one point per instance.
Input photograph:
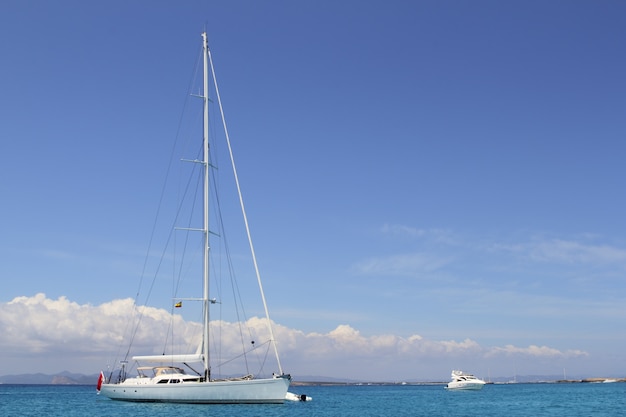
(165, 380)
(464, 381)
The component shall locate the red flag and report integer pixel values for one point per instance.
(100, 379)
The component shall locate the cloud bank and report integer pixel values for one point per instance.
(82, 338)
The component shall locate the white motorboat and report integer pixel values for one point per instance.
(464, 381)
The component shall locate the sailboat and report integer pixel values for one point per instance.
(167, 381)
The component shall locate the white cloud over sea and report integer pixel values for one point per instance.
(83, 337)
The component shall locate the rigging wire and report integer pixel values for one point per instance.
(245, 217)
(177, 136)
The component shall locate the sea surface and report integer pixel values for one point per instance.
(550, 400)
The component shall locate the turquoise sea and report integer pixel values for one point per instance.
(550, 400)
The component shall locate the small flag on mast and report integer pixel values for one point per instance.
(178, 304)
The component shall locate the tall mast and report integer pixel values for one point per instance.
(205, 227)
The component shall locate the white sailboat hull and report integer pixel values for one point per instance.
(254, 391)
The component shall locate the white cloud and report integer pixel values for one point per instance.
(404, 265)
(59, 255)
(558, 250)
(41, 325)
(535, 351)
(435, 235)
(37, 326)
(402, 230)
(566, 251)
(540, 249)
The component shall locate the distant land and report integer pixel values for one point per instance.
(63, 378)
(68, 378)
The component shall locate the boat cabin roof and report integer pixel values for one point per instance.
(160, 370)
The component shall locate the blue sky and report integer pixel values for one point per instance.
(442, 175)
